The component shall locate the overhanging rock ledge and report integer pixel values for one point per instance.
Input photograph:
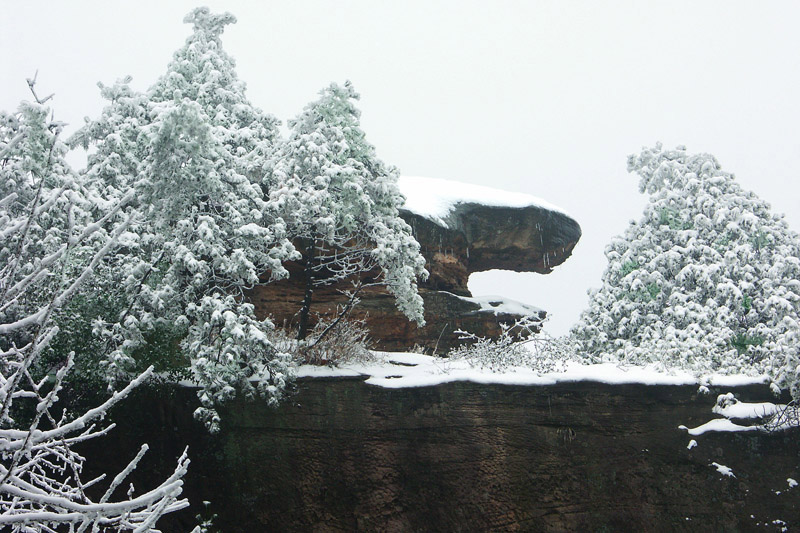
(461, 229)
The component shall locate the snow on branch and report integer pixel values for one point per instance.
(521, 344)
(45, 232)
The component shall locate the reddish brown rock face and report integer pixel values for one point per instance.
(341, 455)
(478, 238)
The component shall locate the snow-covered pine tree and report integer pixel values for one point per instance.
(192, 150)
(708, 279)
(202, 72)
(341, 204)
(49, 249)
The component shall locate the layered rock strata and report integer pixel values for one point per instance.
(341, 455)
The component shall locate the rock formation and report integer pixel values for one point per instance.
(468, 229)
(341, 455)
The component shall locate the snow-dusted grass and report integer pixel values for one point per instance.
(434, 198)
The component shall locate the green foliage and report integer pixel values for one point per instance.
(75, 334)
(706, 280)
(759, 240)
(205, 520)
(671, 217)
(742, 341)
(653, 290)
(161, 349)
(647, 294)
(628, 267)
(722, 242)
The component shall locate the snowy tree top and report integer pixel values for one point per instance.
(209, 23)
(435, 198)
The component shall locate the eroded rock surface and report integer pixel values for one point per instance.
(341, 455)
(472, 238)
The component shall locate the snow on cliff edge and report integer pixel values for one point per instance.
(396, 370)
(434, 198)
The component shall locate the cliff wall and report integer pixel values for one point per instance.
(341, 455)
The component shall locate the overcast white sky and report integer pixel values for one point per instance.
(546, 98)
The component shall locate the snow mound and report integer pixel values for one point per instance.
(717, 425)
(722, 469)
(313, 371)
(776, 416)
(435, 198)
(729, 407)
(500, 305)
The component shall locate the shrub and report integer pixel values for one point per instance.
(330, 344)
(519, 345)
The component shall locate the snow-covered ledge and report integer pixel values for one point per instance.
(465, 228)
(436, 199)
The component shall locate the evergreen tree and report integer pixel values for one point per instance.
(707, 279)
(35, 173)
(341, 204)
(192, 150)
(49, 249)
(202, 72)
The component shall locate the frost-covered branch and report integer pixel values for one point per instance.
(521, 344)
(52, 249)
(344, 311)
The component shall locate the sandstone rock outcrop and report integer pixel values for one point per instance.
(468, 237)
(341, 455)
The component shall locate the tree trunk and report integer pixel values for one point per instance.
(308, 279)
(345, 311)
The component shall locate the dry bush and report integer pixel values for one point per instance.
(347, 342)
(519, 345)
